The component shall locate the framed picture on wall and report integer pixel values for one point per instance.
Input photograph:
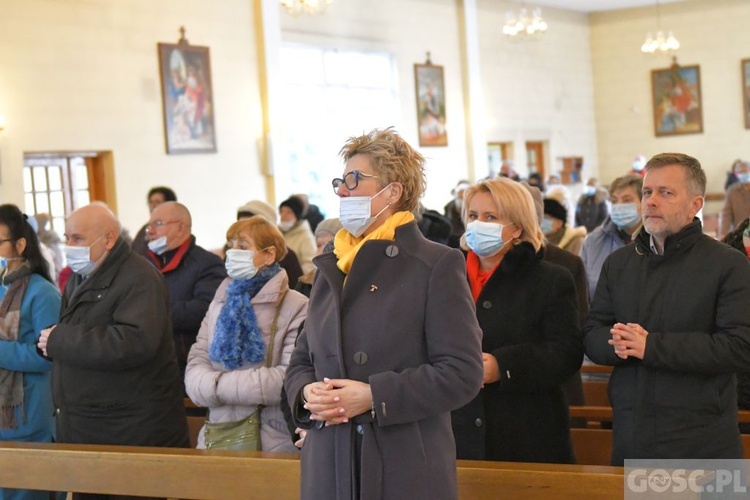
(430, 91)
(187, 97)
(746, 90)
(678, 107)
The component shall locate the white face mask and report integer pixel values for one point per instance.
(79, 258)
(354, 212)
(159, 245)
(286, 225)
(240, 264)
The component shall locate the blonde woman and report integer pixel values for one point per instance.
(531, 342)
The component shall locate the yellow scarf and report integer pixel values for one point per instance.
(346, 246)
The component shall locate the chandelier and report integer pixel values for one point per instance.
(661, 42)
(309, 7)
(524, 25)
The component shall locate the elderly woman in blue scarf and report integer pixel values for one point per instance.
(237, 365)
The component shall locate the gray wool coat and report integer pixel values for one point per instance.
(405, 323)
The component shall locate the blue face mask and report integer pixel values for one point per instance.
(484, 238)
(743, 177)
(546, 225)
(4, 261)
(625, 215)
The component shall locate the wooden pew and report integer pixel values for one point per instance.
(604, 413)
(197, 474)
(595, 393)
(594, 446)
(596, 369)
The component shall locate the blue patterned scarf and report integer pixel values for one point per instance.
(238, 339)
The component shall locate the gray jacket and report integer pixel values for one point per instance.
(404, 323)
(232, 395)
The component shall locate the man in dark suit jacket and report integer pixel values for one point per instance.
(192, 273)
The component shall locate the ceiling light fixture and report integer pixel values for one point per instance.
(524, 26)
(660, 42)
(309, 7)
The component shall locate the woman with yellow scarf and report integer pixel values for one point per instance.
(391, 342)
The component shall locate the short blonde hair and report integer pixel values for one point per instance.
(263, 233)
(393, 160)
(513, 201)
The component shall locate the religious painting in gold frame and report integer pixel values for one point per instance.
(430, 91)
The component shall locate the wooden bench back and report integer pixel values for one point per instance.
(594, 446)
(198, 474)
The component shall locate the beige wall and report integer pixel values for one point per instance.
(714, 35)
(539, 90)
(83, 75)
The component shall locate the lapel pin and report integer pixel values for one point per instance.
(373, 288)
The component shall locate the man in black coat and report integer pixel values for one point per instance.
(192, 273)
(671, 314)
(453, 213)
(114, 378)
(573, 387)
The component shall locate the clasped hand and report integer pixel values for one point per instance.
(628, 340)
(44, 338)
(335, 401)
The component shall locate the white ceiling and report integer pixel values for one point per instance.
(593, 5)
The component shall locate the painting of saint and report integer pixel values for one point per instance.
(677, 100)
(746, 90)
(430, 90)
(187, 98)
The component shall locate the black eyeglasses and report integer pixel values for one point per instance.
(350, 180)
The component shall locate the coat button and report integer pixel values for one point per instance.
(391, 250)
(57, 411)
(487, 304)
(478, 422)
(360, 358)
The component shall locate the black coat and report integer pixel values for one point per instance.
(592, 210)
(192, 286)
(453, 214)
(529, 319)
(680, 401)
(573, 387)
(114, 377)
